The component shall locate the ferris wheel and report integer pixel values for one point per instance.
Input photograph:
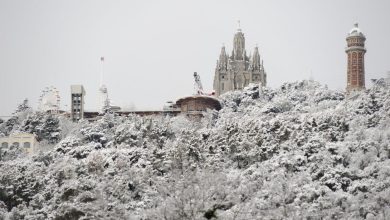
(49, 100)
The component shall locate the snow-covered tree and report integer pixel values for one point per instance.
(300, 151)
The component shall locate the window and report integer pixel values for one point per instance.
(4, 145)
(26, 144)
(15, 144)
(223, 86)
(199, 107)
(191, 105)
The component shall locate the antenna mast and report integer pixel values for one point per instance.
(101, 70)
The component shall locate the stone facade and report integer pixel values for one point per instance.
(238, 70)
(25, 141)
(355, 52)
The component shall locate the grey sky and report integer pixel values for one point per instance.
(151, 48)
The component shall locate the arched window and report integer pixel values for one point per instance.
(4, 145)
(238, 82)
(191, 105)
(26, 144)
(14, 145)
(354, 58)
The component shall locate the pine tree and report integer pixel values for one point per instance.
(22, 107)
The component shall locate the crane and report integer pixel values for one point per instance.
(198, 86)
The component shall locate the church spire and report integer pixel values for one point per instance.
(239, 45)
(255, 62)
(223, 59)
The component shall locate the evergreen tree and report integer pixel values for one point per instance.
(22, 107)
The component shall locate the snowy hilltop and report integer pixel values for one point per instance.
(300, 151)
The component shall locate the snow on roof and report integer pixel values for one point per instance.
(355, 31)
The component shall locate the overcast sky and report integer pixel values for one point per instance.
(152, 48)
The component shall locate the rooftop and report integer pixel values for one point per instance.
(355, 31)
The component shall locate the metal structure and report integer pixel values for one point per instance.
(198, 84)
(199, 87)
(49, 101)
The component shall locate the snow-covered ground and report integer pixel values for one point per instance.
(301, 151)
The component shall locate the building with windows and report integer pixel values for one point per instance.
(25, 141)
(355, 52)
(77, 102)
(238, 70)
(197, 104)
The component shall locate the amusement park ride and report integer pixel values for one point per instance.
(198, 86)
(49, 101)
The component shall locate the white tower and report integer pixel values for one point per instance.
(103, 93)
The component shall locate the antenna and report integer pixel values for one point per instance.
(101, 70)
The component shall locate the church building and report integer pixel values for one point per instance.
(238, 70)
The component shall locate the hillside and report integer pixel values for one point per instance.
(300, 151)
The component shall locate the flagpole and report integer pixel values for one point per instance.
(101, 70)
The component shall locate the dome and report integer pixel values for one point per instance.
(355, 31)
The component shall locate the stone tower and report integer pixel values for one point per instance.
(238, 70)
(77, 102)
(355, 51)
